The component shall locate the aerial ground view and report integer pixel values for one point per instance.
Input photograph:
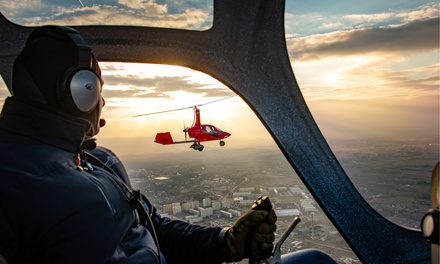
(393, 176)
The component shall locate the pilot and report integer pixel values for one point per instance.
(65, 200)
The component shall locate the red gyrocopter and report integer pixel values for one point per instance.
(197, 131)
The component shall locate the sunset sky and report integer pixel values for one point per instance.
(366, 69)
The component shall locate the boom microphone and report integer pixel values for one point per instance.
(101, 122)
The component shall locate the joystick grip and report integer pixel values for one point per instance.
(254, 253)
(262, 203)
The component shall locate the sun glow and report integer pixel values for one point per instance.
(133, 89)
(355, 85)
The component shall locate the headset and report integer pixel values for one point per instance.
(79, 88)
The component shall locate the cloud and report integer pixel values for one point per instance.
(396, 17)
(367, 78)
(147, 6)
(136, 80)
(178, 6)
(412, 37)
(307, 20)
(430, 10)
(136, 87)
(122, 12)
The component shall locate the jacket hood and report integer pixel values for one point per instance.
(43, 125)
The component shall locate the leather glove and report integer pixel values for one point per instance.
(238, 237)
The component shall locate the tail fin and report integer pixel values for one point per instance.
(164, 138)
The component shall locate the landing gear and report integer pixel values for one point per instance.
(197, 146)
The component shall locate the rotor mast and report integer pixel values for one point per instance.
(197, 114)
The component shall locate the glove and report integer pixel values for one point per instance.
(238, 237)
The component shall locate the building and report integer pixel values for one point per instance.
(234, 212)
(295, 190)
(216, 205)
(243, 194)
(308, 205)
(190, 217)
(246, 202)
(194, 204)
(225, 214)
(205, 211)
(177, 209)
(186, 206)
(307, 200)
(310, 208)
(195, 219)
(194, 212)
(206, 202)
(226, 204)
(287, 212)
(167, 208)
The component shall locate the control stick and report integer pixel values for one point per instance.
(263, 203)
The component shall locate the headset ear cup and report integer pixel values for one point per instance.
(79, 91)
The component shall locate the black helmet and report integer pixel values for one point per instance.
(57, 68)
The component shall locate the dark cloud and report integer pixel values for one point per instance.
(411, 37)
(136, 81)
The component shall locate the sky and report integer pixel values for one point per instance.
(367, 69)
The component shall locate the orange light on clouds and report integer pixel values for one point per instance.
(362, 74)
(149, 88)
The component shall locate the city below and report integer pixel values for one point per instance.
(214, 188)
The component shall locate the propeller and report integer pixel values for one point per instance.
(185, 130)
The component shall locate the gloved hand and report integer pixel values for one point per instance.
(238, 237)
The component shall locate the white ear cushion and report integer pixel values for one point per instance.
(85, 88)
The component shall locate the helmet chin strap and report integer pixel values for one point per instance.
(89, 140)
(94, 130)
(88, 143)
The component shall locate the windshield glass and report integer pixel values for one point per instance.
(372, 87)
(370, 83)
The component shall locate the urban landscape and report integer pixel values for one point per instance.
(214, 188)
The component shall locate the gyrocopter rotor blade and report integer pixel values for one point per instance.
(178, 109)
(166, 111)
